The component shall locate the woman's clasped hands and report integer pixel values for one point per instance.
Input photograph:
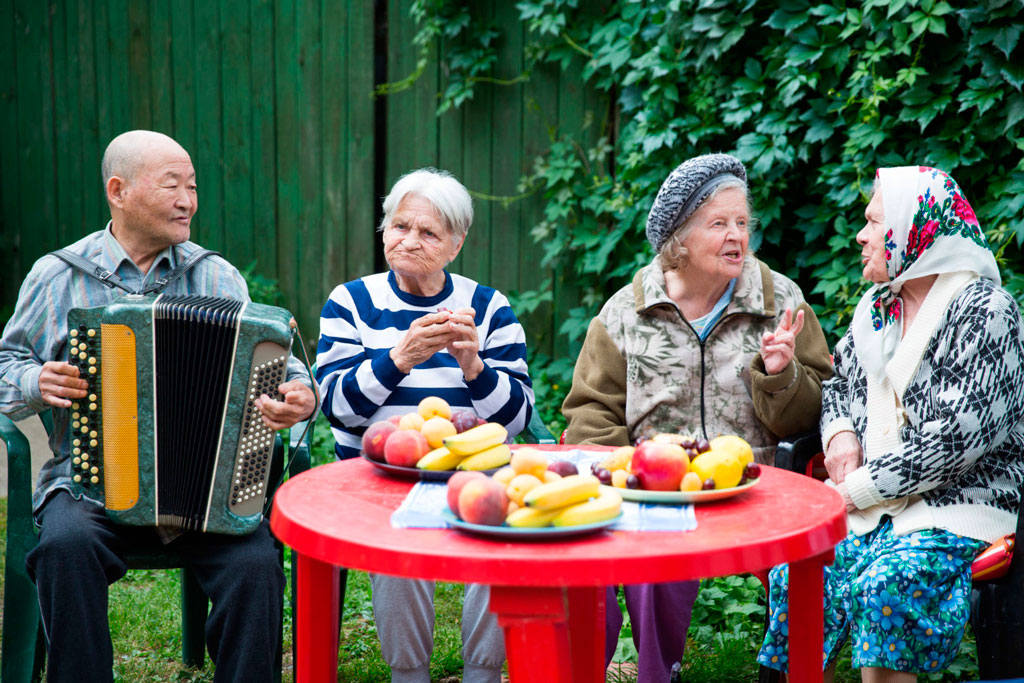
(451, 330)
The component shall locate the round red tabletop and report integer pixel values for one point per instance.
(340, 514)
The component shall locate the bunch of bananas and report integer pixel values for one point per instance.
(569, 501)
(480, 448)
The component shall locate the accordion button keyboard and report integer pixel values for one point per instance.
(84, 350)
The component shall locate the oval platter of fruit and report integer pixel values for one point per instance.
(670, 468)
(435, 442)
(531, 499)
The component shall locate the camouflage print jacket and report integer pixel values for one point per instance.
(643, 369)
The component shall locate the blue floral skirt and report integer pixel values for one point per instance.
(904, 600)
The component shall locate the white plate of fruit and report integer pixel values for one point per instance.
(677, 469)
(434, 442)
(531, 498)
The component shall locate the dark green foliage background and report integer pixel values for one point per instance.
(812, 96)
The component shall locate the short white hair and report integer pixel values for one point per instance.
(126, 153)
(447, 195)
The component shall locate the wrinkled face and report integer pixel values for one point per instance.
(871, 239)
(160, 201)
(718, 237)
(417, 243)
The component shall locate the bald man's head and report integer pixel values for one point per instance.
(127, 153)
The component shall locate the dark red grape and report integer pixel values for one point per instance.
(703, 445)
(604, 476)
(709, 484)
(687, 444)
(632, 482)
(752, 470)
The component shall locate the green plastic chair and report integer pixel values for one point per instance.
(24, 648)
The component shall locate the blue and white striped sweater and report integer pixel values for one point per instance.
(360, 384)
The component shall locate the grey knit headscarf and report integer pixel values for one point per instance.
(685, 190)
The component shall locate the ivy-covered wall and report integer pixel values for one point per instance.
(812, 96)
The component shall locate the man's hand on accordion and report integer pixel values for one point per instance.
(298, 404)
(59, 382)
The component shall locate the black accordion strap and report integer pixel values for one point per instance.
(160, 283)
(111, 279)
(107, 277)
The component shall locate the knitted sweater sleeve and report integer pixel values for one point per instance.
(835, 393)
(596, 405)
(977, 397)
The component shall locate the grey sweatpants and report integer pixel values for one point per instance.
(404, 612)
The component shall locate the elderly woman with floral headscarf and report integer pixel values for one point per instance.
(706, 339)
(923, 429)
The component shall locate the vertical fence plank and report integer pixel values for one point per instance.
(208, 225)
(139, 73)
(236, 94)
(288, 145)
(360, 202)
(310, 229)
(507, 152)
(183, 57)
(262, 157)
(65, 104)
(89, 148)
(37, 216)
(336, 237)
(11, 246)
(115, 47)
(161, 78)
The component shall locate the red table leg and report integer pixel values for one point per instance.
(806, 618)
(316, 621)
(536, 634)
(586, 633)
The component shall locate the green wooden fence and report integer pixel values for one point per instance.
(273, 101)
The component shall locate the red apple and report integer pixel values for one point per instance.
(374, 438)
(405, 447)
(659, 466)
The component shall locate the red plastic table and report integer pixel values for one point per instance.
(549, 596)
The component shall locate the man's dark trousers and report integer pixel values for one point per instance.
(80, 554)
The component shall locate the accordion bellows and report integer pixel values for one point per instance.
(169, 434)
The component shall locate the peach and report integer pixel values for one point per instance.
(405, 447)
(504, 475)
(411, 421)
(395, 419)
(482, 501)
(433, 406)
(520, 486)
(659, 466)
(436, 429)
(455, 484)
(374, 438)
(529, 461)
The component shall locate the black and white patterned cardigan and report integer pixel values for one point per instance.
(962, 444)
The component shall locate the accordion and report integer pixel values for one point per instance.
(168, 434)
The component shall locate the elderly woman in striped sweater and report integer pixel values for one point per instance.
(389, 340)
(923, 429)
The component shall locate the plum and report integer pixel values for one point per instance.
(463, 420)
(563, 468)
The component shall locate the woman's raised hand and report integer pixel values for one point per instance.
(465, 343)
(842, 456)
(779, 347)
(426, 336)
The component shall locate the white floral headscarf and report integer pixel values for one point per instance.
(930, 229)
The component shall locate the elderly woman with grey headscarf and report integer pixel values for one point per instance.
(706, 339)
(923, 429)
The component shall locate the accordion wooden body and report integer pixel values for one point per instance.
(168, 434)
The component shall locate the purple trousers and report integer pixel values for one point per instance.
(659, 614)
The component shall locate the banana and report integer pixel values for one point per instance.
(476, 439)
(439, 459)
(495, 456)
(575, 488)
(604, 507)
(531, 517)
